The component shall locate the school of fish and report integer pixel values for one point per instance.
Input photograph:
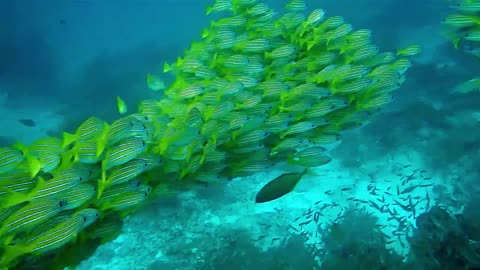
(260, 88)
(463, 28)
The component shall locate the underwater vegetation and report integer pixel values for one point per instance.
(362, 246)
(444, 241)
(247, 255)
(260, 89)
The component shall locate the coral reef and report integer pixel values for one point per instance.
(439, 242)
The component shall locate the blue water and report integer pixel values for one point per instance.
(62, 61)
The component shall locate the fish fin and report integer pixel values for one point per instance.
(76, 157)
(12, 198)
(12, 252)
(121, 106)
(20, 146)
(149, 79)
(66, 159)
(8, 239)
(167, 67)
(68, 139)
(101, 142)
(34, 166)
(102, 181)
(101, 187)
(209, 10)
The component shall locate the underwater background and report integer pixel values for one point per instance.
(401, 190)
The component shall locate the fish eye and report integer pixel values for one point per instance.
(80, 178)
(143, 143)
(84, 219)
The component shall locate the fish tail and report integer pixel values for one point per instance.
(202, 159)
(34, 166)
(166, 67)
(68, 139)
(12, 198)
(76, 157)
(102, 182)
(100, 146)
(101, 187)
(209, 10)
(12, 252)
(149, 78)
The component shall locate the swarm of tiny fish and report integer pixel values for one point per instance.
(260, 88)
(463, 28)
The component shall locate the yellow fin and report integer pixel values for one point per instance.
(121, 106)
(12, 198)
(11, 253)
(34, 166)
(101, 141)
(68, 139)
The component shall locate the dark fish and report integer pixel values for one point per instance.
(275, 239)
(278, 187)
(316, 216)
(409, 189)
(305, 223)
(27, 122)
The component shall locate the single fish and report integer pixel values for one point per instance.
(45, 240)
(155, 83)
(31, 215)
(121, 105)
(279, 187)
(27, 122)
(91, 128)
